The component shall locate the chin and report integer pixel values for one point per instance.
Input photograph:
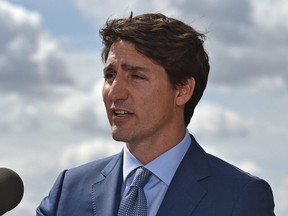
(119, 136)
(116, 138)
(123, 137)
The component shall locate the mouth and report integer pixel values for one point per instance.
(120, 112)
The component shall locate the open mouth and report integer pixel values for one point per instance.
(121, 113)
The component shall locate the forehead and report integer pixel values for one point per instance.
(122, 45)
(125, 52)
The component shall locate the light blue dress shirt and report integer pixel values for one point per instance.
(163, 168)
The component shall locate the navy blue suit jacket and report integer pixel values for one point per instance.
(203, 185)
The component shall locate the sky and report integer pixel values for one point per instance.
(52, 114)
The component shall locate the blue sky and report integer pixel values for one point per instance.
(51, 77)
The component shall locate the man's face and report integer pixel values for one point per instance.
(139, 100)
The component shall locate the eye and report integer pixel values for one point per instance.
(137, 76)
(109, 75)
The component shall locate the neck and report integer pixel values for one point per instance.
(149, 149)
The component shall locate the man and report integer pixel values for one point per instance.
(156, 70)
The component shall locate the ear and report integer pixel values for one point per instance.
(185, 92)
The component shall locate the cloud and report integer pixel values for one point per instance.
(250, 53)
(247, 165)
(283, 197)
(111, 8)
(247, 40)
(84, 110)
(87, 151)
(85, 68)
(255, 66)
(17, 115)
(275, 15)
(33, 72)
(250, 166)
(30, 61)
(214, 120)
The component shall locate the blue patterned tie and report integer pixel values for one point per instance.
(134, 202)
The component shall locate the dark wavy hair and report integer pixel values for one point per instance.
(177, 47)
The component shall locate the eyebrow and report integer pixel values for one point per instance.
(126, 67)
(107, 68)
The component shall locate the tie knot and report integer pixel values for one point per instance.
(141, 176)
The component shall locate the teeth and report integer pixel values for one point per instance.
(121, 112)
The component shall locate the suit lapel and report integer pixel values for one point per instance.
(106, 191)
(185, 191)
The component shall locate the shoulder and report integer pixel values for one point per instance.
(215, 168)
(249, 194)
(233, 177)
(224, 169)
(236, 191)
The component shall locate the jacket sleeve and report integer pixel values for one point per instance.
(49, 205)
(255, 200)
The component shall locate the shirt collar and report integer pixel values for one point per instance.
(164, 166)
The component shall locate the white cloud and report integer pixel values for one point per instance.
(282, 194)
(84, 110)
(258, 61)
(250, 167)
(46, 47)
(19, 15)
(85, 67)
(255, 65)
(111, 8)
(247, 165)
(16, 114)
(271, 15)
(213, 120)
(247, 39)
(87, 151)
(30, 61)
(269, 83)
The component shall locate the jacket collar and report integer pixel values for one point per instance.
(106, 191)
(185, 190)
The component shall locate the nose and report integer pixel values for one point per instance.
(118, 90)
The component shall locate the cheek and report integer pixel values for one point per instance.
(154, 101)
(105, 98)
(164, 101)
(105, 91)
(107, 103)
